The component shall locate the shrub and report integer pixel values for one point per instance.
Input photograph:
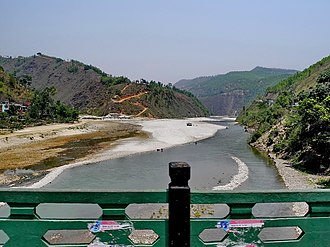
(255, 136)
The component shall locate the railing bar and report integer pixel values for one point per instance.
(260, 197)
(82, 197)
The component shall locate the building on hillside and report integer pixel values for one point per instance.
(20, 108)
(16, 108)
(4, 106)
(270, 102)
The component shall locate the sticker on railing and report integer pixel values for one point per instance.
(244, 245)
(241, 233)
(98, 243)
(228, 224)
(249, 245)
(101, 226)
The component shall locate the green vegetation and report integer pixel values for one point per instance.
(110, 80)
(13, 89)
(157, 99)
(194, 98)
(73, 69)
(324, 183)
(30, 107)
(44, 108)
(307, 136)
(26, 80)
(294, 118)
(95, 69)
(95, 92)
(227, 94)
(171, 102)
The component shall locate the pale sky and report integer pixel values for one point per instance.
(169, 40)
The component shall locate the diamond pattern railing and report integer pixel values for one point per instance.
(125, 218)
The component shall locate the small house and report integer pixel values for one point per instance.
(4, 106)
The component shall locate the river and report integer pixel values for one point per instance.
(212, 164)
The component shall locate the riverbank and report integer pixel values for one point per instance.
(157, 135)
(295, 179)
(113, 139)
(292, 178)
(28, 154)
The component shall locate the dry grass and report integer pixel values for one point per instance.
(35, 151)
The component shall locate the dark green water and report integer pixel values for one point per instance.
(210, 161)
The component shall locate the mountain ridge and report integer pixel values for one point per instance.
(226, 94)
(93, 91)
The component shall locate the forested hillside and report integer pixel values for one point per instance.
(22, 106)
(293, 119)
(227, 94)
(12, 89)
(92, 91)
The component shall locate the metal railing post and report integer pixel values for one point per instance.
(179, 205)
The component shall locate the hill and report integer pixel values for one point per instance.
(293, 119)
(93, 91)
(227, 94)
(22, 106)
(12, 89)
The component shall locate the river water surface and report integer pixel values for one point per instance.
(210, 160)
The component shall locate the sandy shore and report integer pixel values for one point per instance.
(163, 133)
(292, 178)
(27, 154)
(295, 179)
(44, 132)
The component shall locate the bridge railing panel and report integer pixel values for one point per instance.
(127, 218)
(27, 222)
(241, 227)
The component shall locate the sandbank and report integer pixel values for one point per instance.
(163, 133)
(43, 132)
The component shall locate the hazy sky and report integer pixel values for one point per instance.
(171, 39)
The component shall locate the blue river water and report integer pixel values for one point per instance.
(210, 161)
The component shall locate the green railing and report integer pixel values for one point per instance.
(92, 218)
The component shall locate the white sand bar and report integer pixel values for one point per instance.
(164, 133)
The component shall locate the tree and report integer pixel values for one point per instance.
(308, 138)
(26, 80)
(325, 77)
(42, 104)
(12, 81)
(43, 107)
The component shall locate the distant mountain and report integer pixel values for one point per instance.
(227, 94)
(93, 91)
